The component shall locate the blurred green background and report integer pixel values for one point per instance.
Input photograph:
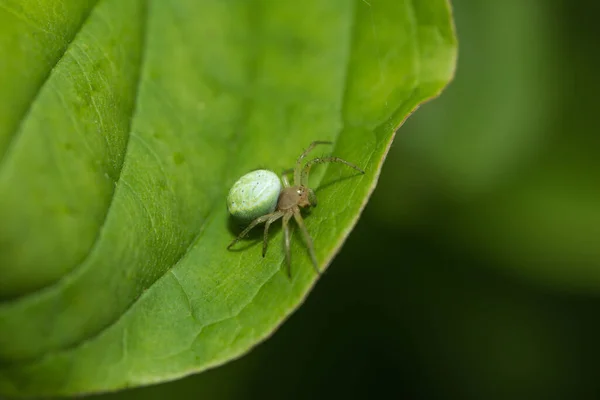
(474, 272)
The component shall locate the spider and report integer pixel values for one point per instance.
(264, 201)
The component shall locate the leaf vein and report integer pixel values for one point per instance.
(53, 286)
(16, 133)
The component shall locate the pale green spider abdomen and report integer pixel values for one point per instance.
(254, 195)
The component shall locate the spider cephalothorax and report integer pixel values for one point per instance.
(258, 197)
(296, 196)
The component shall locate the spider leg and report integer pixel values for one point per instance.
(298, 170)
(322, 160)
(257, 221)
(274, 217)
(286, 242)
(284, 179)
(307, 238)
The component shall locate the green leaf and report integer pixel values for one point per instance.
(129, 121)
